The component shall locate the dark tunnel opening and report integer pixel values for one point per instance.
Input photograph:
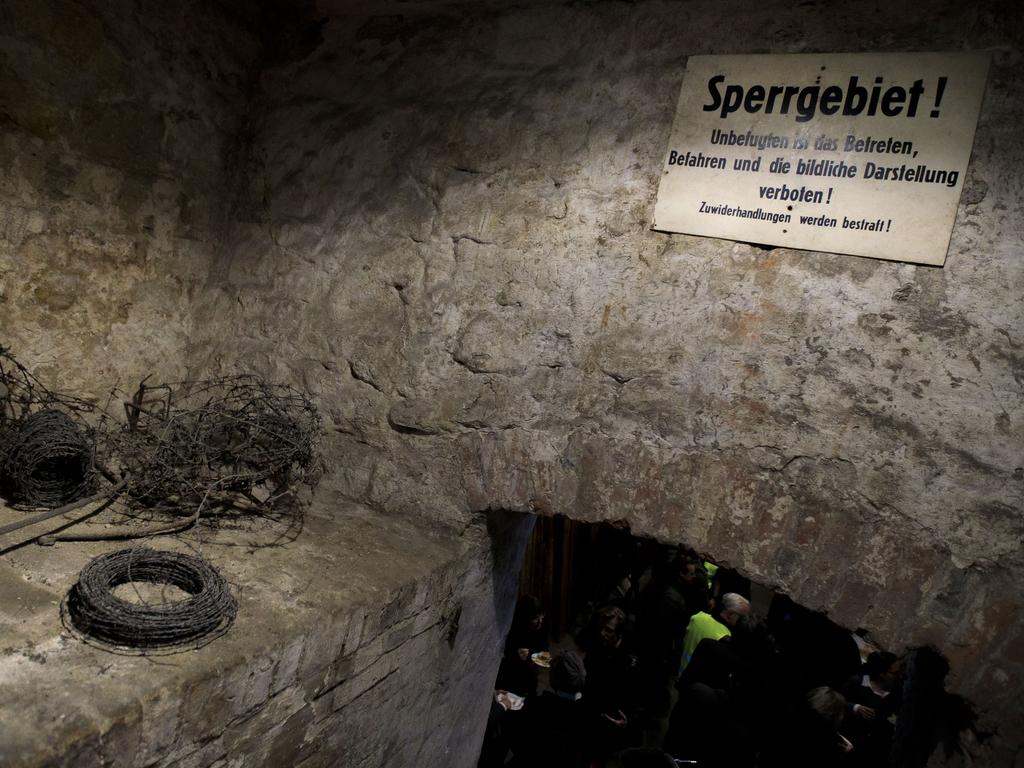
(777, 685)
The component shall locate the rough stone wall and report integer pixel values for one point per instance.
(117, 127)
(445, 236)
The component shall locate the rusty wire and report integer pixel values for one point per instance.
(46, 441)
(92, 611)
(235, 441)
(49, 461)
(233, 444)
(21, 393)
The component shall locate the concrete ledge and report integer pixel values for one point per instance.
(353, 625)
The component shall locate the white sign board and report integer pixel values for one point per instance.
(863, 154)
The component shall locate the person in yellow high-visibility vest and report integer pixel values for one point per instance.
(711, 569)
(704, 625)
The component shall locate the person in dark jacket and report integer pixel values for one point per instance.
(551, 733)
(678, 589)
(806, 732)
(610, 695)
(873, 701)
(527, 636)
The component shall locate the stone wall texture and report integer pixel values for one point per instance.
(445, 235)
(118, 125)
(437, 221)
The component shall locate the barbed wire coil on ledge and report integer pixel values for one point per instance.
(92, 612)
(49, 460)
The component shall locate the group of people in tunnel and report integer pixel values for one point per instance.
(675, 669)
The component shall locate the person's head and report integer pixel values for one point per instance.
(828, 704)
(529, 613)
(608, 625)
(568, 675)
(884, 669)
(733, 608)
(692, 572)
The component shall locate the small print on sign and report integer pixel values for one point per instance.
(862, 154)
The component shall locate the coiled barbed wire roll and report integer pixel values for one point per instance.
(93, 609)
(49, 460)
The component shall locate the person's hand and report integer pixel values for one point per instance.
(867, 713)
(524, 653)
(619, 722)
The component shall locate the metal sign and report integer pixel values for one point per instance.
(863, 154)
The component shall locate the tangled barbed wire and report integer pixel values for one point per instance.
(21, 393)
(212, 442)
(185, 448)
(238, 443)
